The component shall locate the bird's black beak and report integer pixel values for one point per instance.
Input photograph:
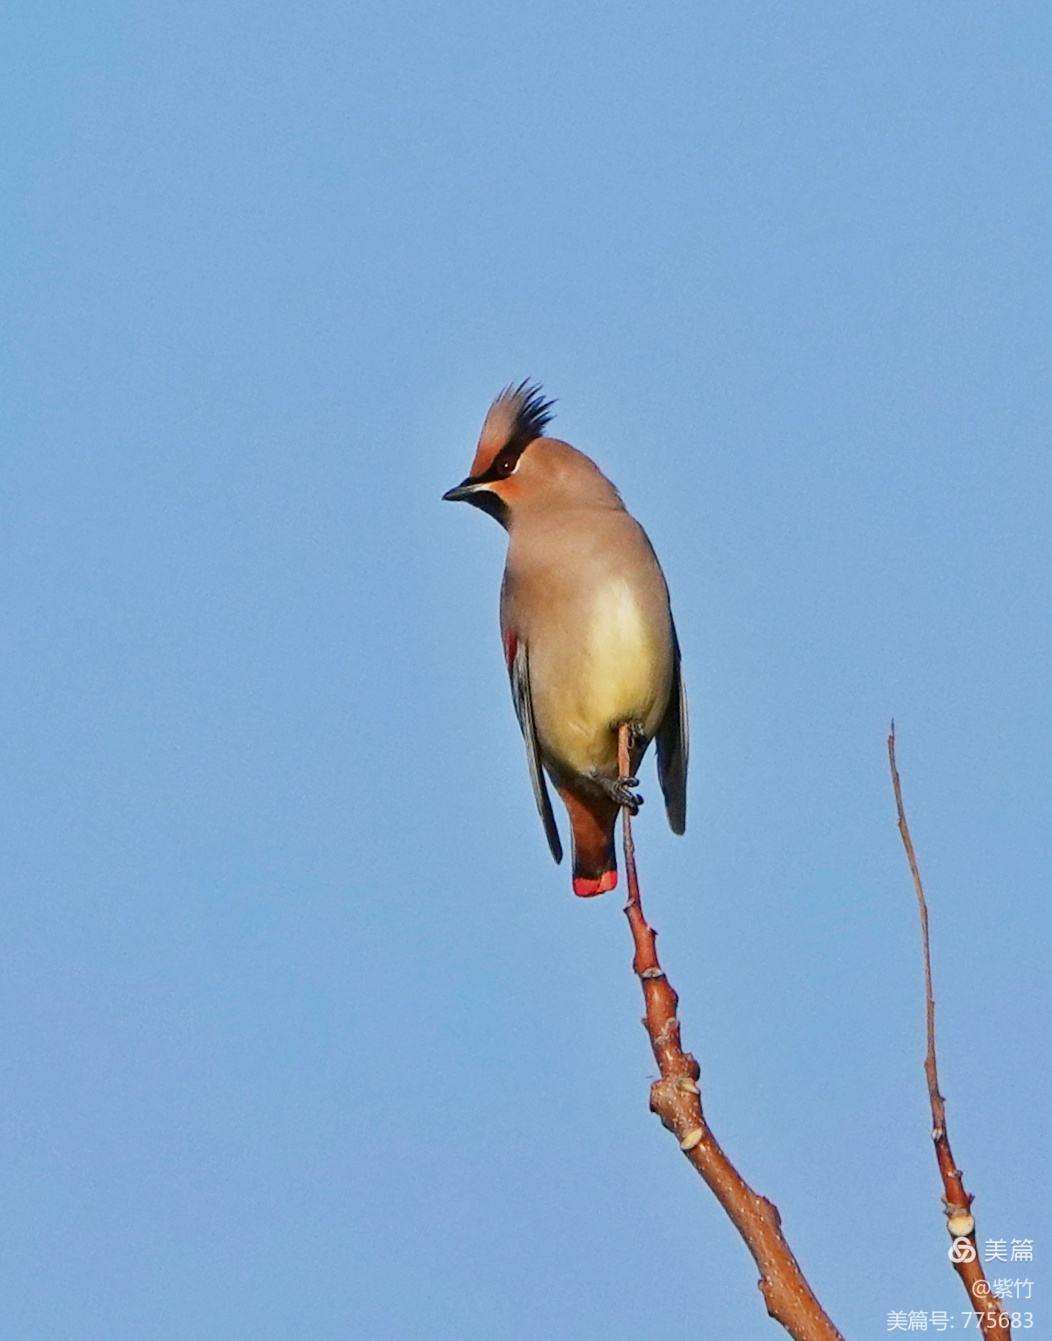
(478, 493)
(461, 493)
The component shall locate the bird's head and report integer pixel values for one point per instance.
(517, 469)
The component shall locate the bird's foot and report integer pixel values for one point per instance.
(620, 791)
(636, 734)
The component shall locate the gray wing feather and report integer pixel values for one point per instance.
(673, 748)
(519, 670)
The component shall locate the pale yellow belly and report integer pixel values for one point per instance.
(615, 666)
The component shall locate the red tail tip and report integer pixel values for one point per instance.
(585, 888)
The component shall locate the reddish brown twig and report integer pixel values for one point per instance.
(676, 1099)
(956, 1201)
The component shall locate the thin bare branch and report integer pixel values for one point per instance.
(957, 1203)
(676, 1099)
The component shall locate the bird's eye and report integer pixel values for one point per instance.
(505, 464)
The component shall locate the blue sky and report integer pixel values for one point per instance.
(304, 1033)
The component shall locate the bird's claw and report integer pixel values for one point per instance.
(620, 791)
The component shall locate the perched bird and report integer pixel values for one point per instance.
(587, 631)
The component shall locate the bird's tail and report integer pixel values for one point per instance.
(592, 822)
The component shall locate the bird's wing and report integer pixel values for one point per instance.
(672, 747)
(519, 670)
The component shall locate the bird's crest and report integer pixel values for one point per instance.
(518, 415)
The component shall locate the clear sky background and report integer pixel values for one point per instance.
(303, 1034)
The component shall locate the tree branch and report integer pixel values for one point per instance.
(956, 1201)
(676, 1099)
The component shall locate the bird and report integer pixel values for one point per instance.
(587, 631)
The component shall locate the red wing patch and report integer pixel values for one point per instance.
(511, 646)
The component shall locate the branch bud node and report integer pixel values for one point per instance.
(668, 1032)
